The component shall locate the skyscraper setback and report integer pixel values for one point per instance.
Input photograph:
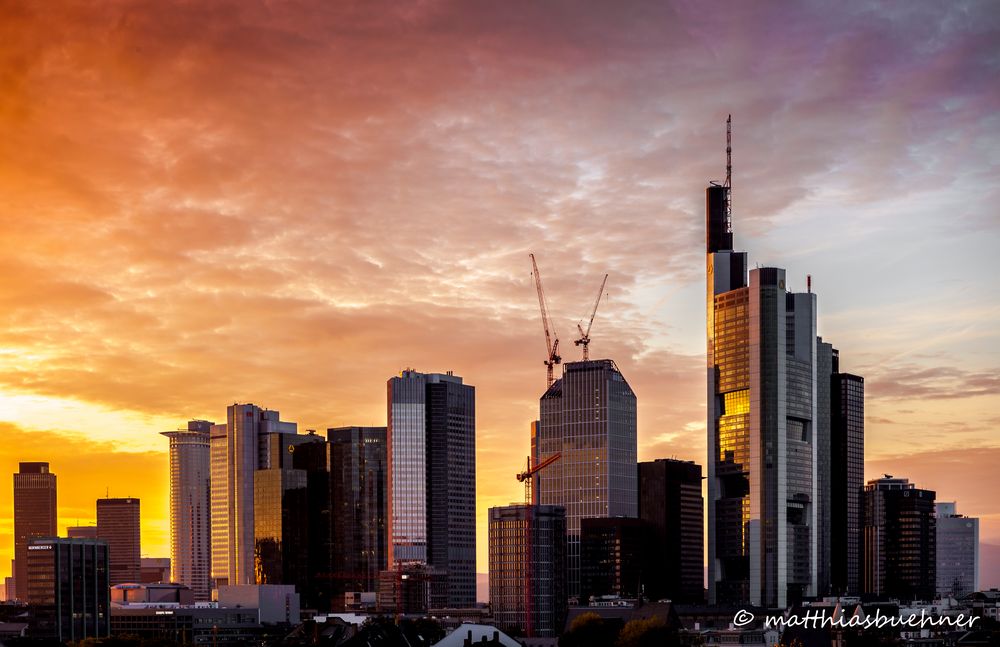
(771, 416)
(431, 455)
(190, 532)
(34, 515)
(589, 415)
(238, 448)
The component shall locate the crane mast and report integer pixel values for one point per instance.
(526, 477)
(584, 339)
(551, 338)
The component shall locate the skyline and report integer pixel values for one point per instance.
(203, 206)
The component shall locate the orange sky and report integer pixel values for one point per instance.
(288, 203)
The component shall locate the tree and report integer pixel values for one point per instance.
(648, 632)
(590, 630)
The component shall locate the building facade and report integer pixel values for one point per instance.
(431, 484)
(957, 546)
(768, 427)
(617, 558)
(589, 416)
(237, 450)
(68, 588)
(118, 526)
(899, 539)
(190, 504)
(527, 550)
(358, 477)
(670, 501)
(847, 473)
(34, 516)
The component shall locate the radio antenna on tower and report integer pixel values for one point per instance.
(729, 170)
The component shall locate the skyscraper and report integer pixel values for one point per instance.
(617, 557)
(762, 425)
(238, 449)
(292, 517)
(957, 552)
(899, 538)
(34, 515)
(358, 476)
(190, 522)
(81, 532)
(118, 525)
(847, 473)
(431, 455)
(589, 415)
(670, 501)
(527, 547)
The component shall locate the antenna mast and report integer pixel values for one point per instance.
(729, 173)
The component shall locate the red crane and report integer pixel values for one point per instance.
(525, 477)
(584, 339)
(551, 338)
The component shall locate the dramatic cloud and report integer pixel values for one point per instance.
(287, 203)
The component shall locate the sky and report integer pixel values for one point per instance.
(287, 203)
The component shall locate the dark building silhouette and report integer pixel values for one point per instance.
(358, 499)
(431, 459)
(589, 416)
(527, 546)
(118, 525)
(34, 515)
(68, 588)
(670, 501)
(617, 557)
(847, 473)
(899, 540)
(292, 517)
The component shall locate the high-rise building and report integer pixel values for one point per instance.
(68, 588)
(156, 570)
(118, 525)
(34, 515)
(292, 517)
(617, 557)
(237, 450)
(847, 473)
(589, 416)
(527, 546)
(762, 426)
(358, 476)
(957, 552)
(431, 456)
(899, 537)
(81, 532)
(190, 522)
(670, 501)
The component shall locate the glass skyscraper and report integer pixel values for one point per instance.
(190, 534)
(431, 456)
(957, 552)
(762, 427)
(589, 415)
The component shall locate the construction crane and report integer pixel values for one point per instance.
(526, 477)
(551, 338)
(584, 339)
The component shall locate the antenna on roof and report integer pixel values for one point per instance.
(729, 170)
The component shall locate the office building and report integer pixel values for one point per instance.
(617, 556)
(527, 546)
(670, 501)
(68, 588)
(847, 460)
(190, 521)
(156, 570)
(237, 450)
(588, 415)
(292, 517)
(899, 537)
(358, 477)
(762, 426)
(431, 457)
(118, 526)
(957, 547)
(34, 516)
